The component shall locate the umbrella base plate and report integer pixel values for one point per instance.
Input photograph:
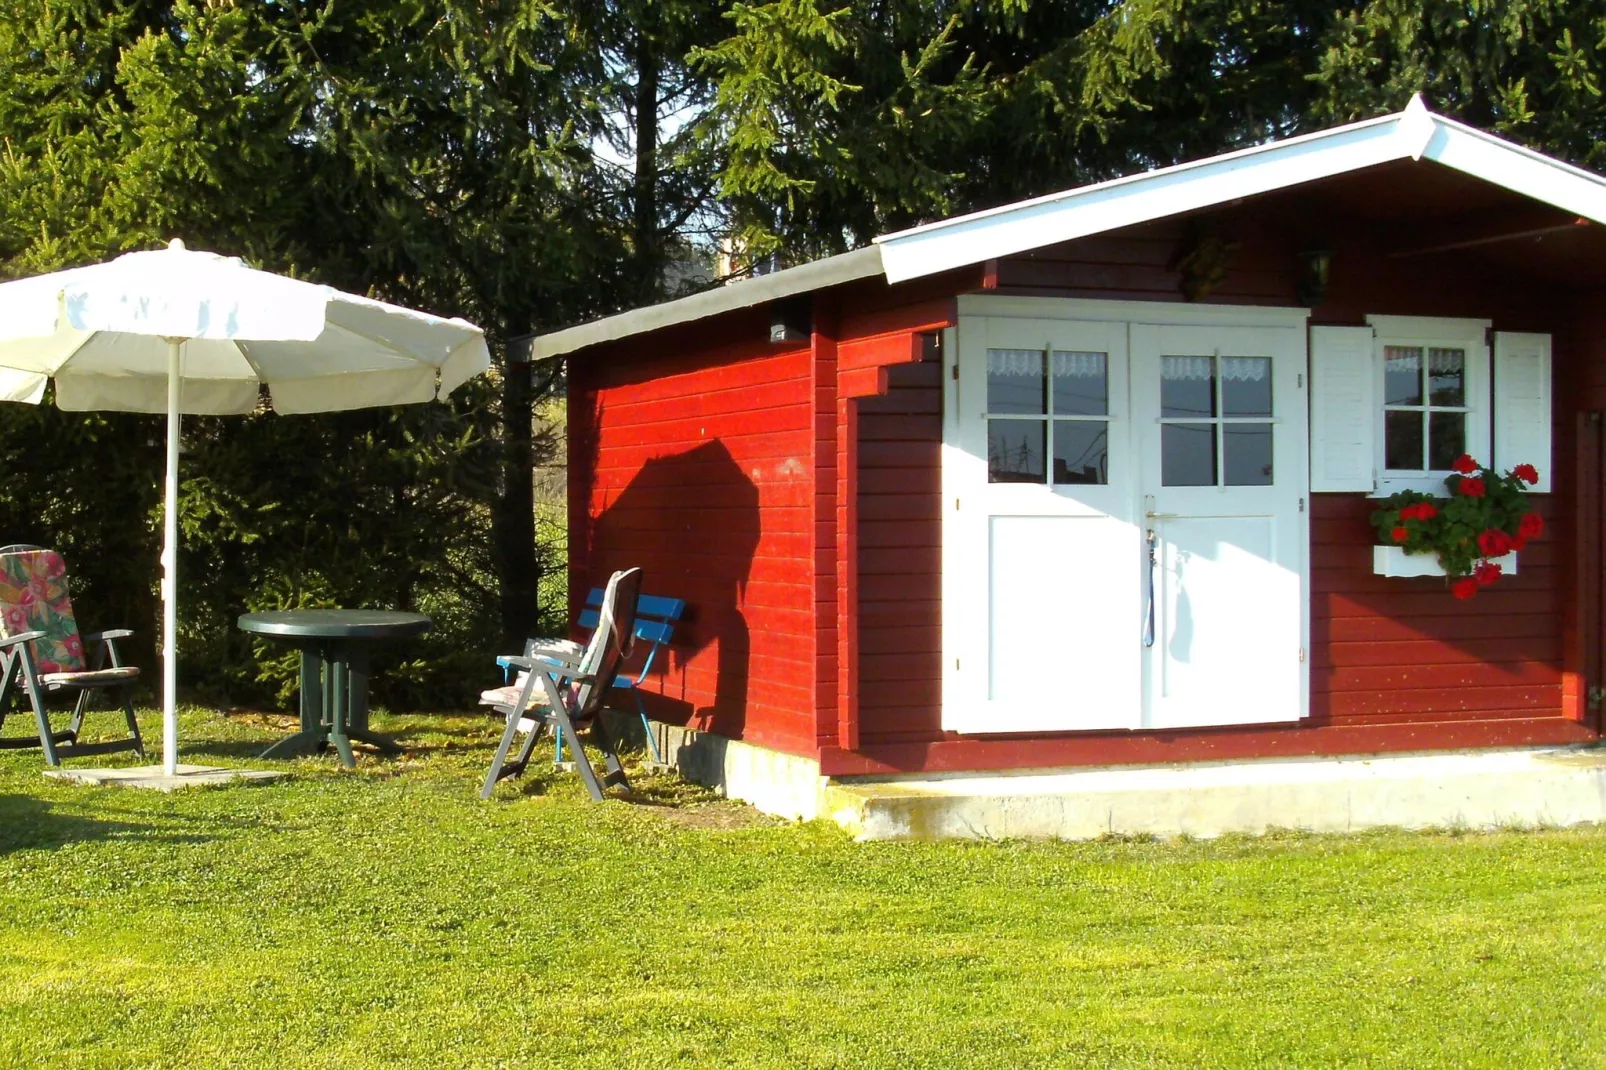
(152, 776)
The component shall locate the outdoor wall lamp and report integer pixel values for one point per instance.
(1315, 261)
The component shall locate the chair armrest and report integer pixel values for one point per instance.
(542, 658)
(113, 633)
(538, 664)
(23, 637)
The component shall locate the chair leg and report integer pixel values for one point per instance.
(81, 707)
(495, 773)
(520, 707)
(560, 718)
(47, 742)
(646, 727)
(616, 769)
(133, 724)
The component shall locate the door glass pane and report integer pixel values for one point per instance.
(1081, 451)
(1081, 383)
(1402, 375)
(1245, 386)
(1402, 441)
(1015, 382)
(1188, 389)
(1188, 455)
(1246, 455)
(1447, 439)
(1015, 451)
(1447, 377)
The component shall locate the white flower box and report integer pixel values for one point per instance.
(1394, 561)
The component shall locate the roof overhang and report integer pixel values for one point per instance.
(759, 290)
(1414, 134)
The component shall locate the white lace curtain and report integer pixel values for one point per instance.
(1237, 369)
(1023, 363)
(1408, 360)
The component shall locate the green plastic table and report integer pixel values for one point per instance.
(334, 646)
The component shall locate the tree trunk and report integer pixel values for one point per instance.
(514, 519)
(648, 242)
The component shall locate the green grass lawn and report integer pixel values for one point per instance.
(387, 917)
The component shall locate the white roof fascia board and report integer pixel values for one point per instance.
(1137, 199)
(1415, 133)
(1518, 169)
(816, 275)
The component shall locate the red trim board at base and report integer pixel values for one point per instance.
(1229, 744)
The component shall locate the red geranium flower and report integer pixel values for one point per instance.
(1527, 473)
(1531, 526)
(1486, 573)
(1425, 511)
(1465, 464)
(1472, 488)
(1399, 534)
(1494, 543)
(1518, 542)
(1464, 588)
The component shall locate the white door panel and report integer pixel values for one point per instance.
(1069, 442)
(1222, 420)
(1051, 664)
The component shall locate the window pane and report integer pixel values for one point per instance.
(1447, 439)
(1081, 384)
(1402, 441)
(1402, 375)
(1447, 369)
(1015, 452)
(1188, 455)
(1246, 455)
(1187, 388)
(1015, 382)
(1246, 386)
(1081, 451)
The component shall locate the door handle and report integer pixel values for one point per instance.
(1153, 540)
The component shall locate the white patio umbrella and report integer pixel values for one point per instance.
(177, 331)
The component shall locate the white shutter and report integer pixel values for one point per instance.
(1343, 409)
(1522, 403)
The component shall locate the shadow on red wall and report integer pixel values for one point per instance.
(691, 520)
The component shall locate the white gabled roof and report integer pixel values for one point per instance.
(1414, 134)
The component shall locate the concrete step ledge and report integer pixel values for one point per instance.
(1523, 788)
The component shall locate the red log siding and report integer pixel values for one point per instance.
(1395, 664)
(733, 472)
(695, 454)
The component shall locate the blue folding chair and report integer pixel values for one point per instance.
(656, 617)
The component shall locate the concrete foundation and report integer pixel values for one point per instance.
(1477, 789)
(152, 776)
(786, 785)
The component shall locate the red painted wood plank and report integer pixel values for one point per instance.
(952, 755)
(1471, 675)
(1540, 698)
(1540, 648)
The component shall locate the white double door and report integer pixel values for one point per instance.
(1126, 542)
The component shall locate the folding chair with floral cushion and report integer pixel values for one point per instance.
(41, 649)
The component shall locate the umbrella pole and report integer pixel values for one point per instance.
(170, 569)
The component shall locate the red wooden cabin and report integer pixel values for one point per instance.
(910, 492)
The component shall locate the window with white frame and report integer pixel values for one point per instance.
(1433, 374)
(1393, 404)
